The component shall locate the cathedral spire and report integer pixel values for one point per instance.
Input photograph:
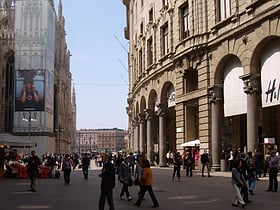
(59, 9)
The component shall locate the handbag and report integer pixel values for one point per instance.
(136, 181)
(130, 182)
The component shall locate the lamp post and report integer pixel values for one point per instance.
(29, 118)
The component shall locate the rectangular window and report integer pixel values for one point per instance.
(225, 9)
(164, 3)
(151, 15)
(164, 34)
(140, 61)
(185, 21)
(141, 28)
(150, 51)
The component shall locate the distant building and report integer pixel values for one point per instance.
(101, 140)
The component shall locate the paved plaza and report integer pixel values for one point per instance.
(191, 192)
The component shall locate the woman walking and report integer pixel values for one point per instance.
(146, 184)
(125, 178)
(67, 164)
(177, 166)
(237, 182)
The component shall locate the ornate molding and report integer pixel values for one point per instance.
(149, 114)
(215, 93)
(161, 110)
(250, 82)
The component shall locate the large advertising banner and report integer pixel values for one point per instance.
(235, 100)
(49, 91)
(270, 77)
(30, 91)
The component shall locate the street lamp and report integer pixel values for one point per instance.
(27, 116)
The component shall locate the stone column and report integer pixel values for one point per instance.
(150, 143)
(251, 89)
(215, 98)
(162, 134)
(141, 118)
(136, 134)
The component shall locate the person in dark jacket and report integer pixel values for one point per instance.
(188, 163)
(107, 183)
(244, 171)
(85, 165)
(125, 177)
(33, 171)
(177, 166)
(67, 166)
(205, 162)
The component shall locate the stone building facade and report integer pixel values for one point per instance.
(44, 51)
(101, 140)
(203, 70)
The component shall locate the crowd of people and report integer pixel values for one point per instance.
(134, 169)
(246, 169)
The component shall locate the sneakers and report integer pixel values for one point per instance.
(129, 198)
(122, 197)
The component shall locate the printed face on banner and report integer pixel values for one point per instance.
(30, 94)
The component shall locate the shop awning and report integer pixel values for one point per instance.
(193, 143)
(9, 140)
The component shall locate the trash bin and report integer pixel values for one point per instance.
(223, 165)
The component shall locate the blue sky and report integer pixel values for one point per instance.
(95, 38)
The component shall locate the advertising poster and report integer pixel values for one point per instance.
(30, 94)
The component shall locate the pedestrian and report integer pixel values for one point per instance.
(139, 172)
(252, 174)
(85, 165)
(237, 181)
(188, 163)
(131, 163)
(118, 162)
(107, 183)
(125, 178)
(33, 171)
(245, 171)
(230, 160)
(205, 162)
(177, 166)
(67, 165)
(273, 171)
(146, 185)
(266, 163)
(259, 162)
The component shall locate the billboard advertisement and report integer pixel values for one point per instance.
(270, 76)
(30, 90)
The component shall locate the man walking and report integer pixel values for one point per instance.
(107, 183)
(273, 171)
(205, 162)
(33, 171)
(85, 165)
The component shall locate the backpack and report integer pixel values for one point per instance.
(251, 163)
(67, 165)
